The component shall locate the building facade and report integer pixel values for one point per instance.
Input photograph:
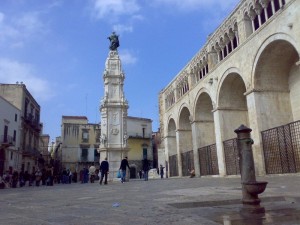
(30, 126)
(139, 132)
(79, 144)
(10, 124)
(246, 73)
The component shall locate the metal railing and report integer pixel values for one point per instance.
(187, 160)
(208, 160)
(173, 164)
(281, 147)
(232, 160)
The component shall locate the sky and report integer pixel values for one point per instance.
(58, 49)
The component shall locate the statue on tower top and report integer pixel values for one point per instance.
(114, 41)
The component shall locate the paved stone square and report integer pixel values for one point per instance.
(178, 201)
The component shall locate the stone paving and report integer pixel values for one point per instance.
(178, 201)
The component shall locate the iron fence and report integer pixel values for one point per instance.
(173, 163)
(281, 147)
(208, 160)
(231, 153)
(187, 160)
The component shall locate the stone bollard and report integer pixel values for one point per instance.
(250, 187)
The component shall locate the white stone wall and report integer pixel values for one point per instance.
(257, 84)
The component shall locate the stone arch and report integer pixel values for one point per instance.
(232, 103)
(204, 120)
(276, 81)
(185, 141)
(171, 136)
(171, 144)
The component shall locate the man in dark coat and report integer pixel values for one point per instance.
(145, 168)
(104, 169)
(124, 164)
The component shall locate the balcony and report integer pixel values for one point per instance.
(139, 136)
(6, 140)
(31, 152)
(28, 118)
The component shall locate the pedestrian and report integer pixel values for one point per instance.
(161, 171)
(85, 175)
(15, 177)
(44, 176)
(104, 169)
(81, 175)
(21, 179)
(32, 178)
(26, 177)
(92, 170)
(38, 177)
(192, 172)
(123, 166)
(145, 168)
(70, 176)
(64, 176)
(140, 174)
(75, 177)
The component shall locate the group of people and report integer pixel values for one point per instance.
(104, 170)
(23, 178)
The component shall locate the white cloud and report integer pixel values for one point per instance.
(127, 57)
(18, 28)
(193, 5)
(1, 17)
(120, 28)
(14, 71)
(113, 9)
(29, 23)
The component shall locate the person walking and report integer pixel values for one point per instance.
(38, 177)
(145, 168)
(104, 169)
(161, 171)
(124, 164)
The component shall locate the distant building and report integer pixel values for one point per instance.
(44, 157)
(78, 146)
(139, 131)
(10, 125)
(30, 127)
(79, 143)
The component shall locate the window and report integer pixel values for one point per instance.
(144, 153)
(144, 132)
(5, 133)
(16, 117)
(84, 154)
(26, 107)
(96, 155)
(85, 135)
(15, 135)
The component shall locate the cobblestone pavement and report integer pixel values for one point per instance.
(178, 201)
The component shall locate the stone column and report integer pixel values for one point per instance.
(219, 142)
(195, 134)
(255, 123)
(178, 140)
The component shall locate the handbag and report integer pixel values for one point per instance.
(118, 174)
